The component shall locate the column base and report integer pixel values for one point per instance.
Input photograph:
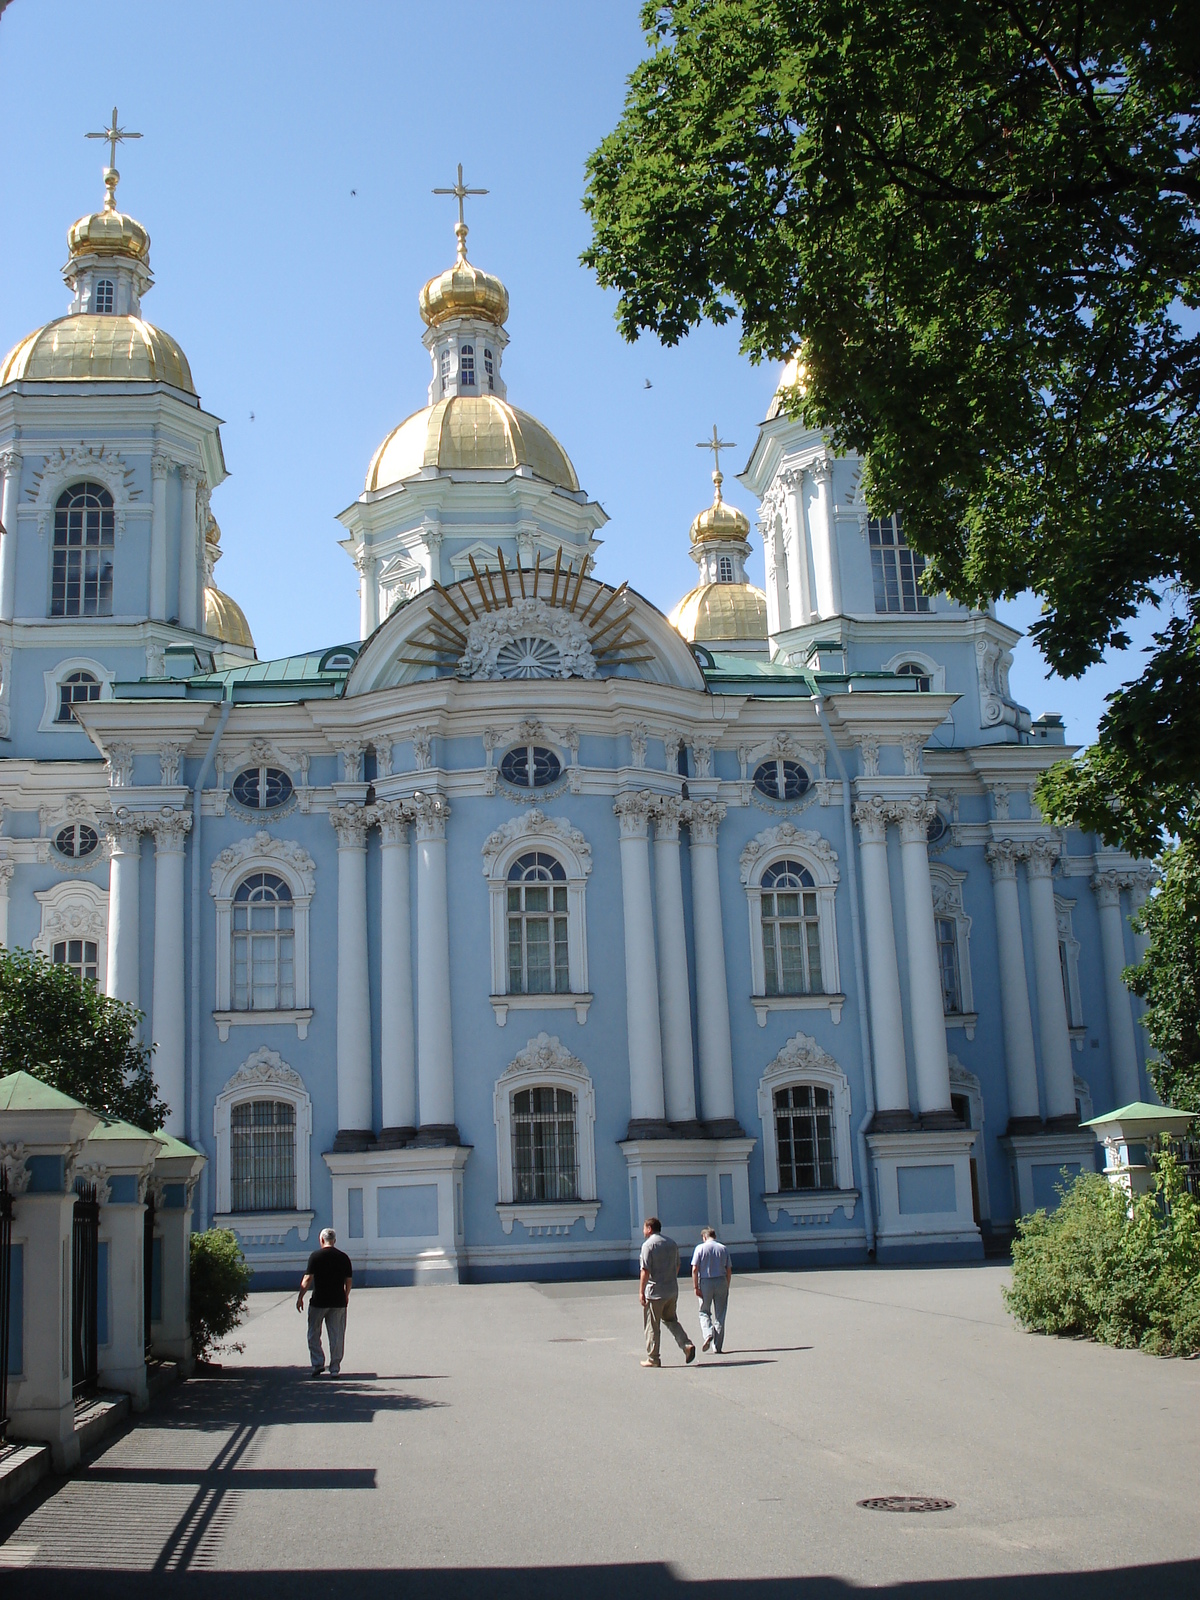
(398, 1211)
(437, 1136)
(354, 1139)
(922, 1185)
(395, 1138)
(690, 1184)
(893, 1122)
(1022, 1126)
(1036, 1161)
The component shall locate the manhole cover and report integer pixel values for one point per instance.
(906, 1502)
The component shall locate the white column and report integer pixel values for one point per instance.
(675, 994)
(799, 592)
(160, 466)
(924, 979)
(6, 872)
(170, 830)
(435, 1041)
(124, 943)
(368, 594)
(1141, 881)
(824, 543)
(190, 477)
(10, 469)
(396, 1036)
(883, 972)
(350, 823)
(1019, 1058)
(712, 989)
(1107, 885)
(646, 1100)
(1058, 1073)
(766, 527)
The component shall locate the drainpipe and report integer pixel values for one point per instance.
(194, 1097)
(864, 1026)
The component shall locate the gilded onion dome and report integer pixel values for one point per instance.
(224, 619)
(463, 290)
(720, 521)
(109, 233)
(98, 348)
(479, 432)
(723, 609)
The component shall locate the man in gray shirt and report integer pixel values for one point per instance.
(658, 1291)
(711, 1272)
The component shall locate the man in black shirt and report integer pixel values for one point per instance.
(329, 1275)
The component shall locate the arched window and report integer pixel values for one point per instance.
(264, 957)
(76, 689)
(545, 1156)
(104, 297)
(81, 955)
(781, 780)
(952, 931)
(804, 1137)
(530, 766)
(82, 579)
(791, 879)
(914, 669)
(446, 359)
(76, 840)
(262, 788)
(466, 367)
(724, 569)
(489, 368)
(894, 567)
(538, 961)
(791, 930)
(262, 1156)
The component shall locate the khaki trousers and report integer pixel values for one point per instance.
(657, 1313)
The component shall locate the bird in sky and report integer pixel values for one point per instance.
(354, 191)
(252, 416)
(647, 384)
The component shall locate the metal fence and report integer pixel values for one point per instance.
(148, 1274)
(6, 1221)
(85, 1290)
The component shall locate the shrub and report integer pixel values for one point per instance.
(1099, 1268)
(220, 1282)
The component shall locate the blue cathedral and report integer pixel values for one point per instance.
(533, 911)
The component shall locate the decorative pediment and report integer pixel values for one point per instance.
(529, 639)
(264, 847)
(101, 465)
(266, 1067)
(813, 847)
(534, 824)
(782, 747)
(800, 1056)
(544, 1056)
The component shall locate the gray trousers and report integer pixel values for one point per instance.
(657, 1315)
(334, 1319)
(714, 1298)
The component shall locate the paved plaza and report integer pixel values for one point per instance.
(503, 1440)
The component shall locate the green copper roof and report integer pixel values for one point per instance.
(1142, 1111)
(114, 1128)
(171, 1146)
(20, 1091)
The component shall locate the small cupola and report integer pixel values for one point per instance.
(464, 311)
(108, 270)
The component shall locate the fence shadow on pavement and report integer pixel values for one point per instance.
(279, 1396)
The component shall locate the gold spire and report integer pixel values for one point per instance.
(460, 193)
(718, 521)
(463, 289)
(716, 444)
(112, 177)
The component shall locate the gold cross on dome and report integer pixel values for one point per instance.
(460, 193)
(116, 136)
(716, 444)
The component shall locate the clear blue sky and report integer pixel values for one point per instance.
(296, 299)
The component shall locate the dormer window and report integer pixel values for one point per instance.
(489, 367)
(445, 370)
(724, 569)
(105, 295)
(466, 366)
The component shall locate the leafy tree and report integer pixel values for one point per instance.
(977, 222)
(70, 1035)
(1168, 979)
(218, 1296)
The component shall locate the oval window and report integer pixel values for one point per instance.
(530, 766)
(781, 780)
(262, 788)
(937, 827)
(76, 841)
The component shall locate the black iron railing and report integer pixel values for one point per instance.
(85, 1290)
(6, 1221)
(148, 1274)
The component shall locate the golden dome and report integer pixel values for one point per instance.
(463, 291)
(224, 619)
(109, 233)
(98, 348)
(470, 431)
(793, 383)
(722, 613)
(719, 521)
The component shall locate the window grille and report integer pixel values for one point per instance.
(82, 578)
(781, 780)
(947, 947)
(490, 370)
(81, 955)
(264, 960)
(76, 689)
(262, 1156)
(262, 788)
(445, 370)
(894, 567)
(791, 930)
(76, 840)
(914, 669)
(104, 297)
(466, 367)
(545, 1149)
(724, 569)
(537, 926)
(530, 766)
(804, 1135)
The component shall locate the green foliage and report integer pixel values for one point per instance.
(1168, 979)
(977, 223)
(69, 1035)
(219, 1289)
(1097, 1269)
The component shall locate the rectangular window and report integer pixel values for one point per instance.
(262, 1156)
(804, 1133)
(894, 567)
(947, 946)
(466, 367)
(538, 960)
(791, 944)
(545, 1159)
(82, 575)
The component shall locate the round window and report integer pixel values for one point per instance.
(530, 766)
(262, 788)
(76, 841)
(781, 780)
(937, 827)
(528, 658)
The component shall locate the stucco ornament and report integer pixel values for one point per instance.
(265, 1067)
(530, 639)
(263, 844)
(788, 836)
(536, 823)
(13, 1163)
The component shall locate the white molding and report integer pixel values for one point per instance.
(265, 1227)
(947, 886)
(802, 1060)
(262, 1019)
(533, 830)
(548, 1218)
(79, 464)
(816, 1206)
(544, 1062)
(561, 631)
(935, 670)
(264, 1075)
(75, 909)
(813, 851)
(502, 1004)
(52, 679)
(764, 1004)
(263, 853)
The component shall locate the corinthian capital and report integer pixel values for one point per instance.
(170, 828)
(668, 814)
(431, 813)
(705, 818)
(1003, 855)
(160, 466)
(350, 823)
(1107, 883)
(393, 817)
(913, 817)
(6, 872)
(10, 461)
(125, 829)
(190, 473)
(633, 812)
(871, 817)
(1043, 853)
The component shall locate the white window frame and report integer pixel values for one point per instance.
(265, 1075)
(292, 863)
(545, 1062)
(53, 681)
(533, 830)
(111, 297)
(1069, 944)
(934, 670)
(802, 1060)
(75, 909)
(817, 855)
(948, 903)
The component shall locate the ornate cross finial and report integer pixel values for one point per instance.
(460, 193)
(115, 136)
(716, 444)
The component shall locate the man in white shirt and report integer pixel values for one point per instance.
(712, 1271)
